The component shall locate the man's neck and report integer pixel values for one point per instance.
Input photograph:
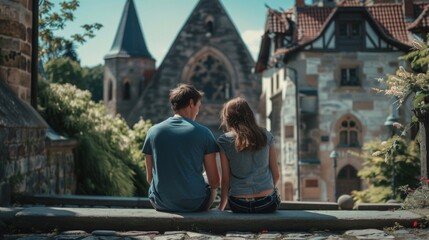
(183, 114)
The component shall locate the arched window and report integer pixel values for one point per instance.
(210, 75)
(349, 132)
(209, 26)
(110, 91)
(127, 91)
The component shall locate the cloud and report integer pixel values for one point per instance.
(252, 38)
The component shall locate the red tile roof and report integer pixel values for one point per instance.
(422, 21)
(351, 3)
(276, 22)
(311, 21)
(390, 18)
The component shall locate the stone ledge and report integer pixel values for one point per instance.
(378, 206)
(90, 219)
(139, 202)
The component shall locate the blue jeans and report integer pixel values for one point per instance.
(267, 204)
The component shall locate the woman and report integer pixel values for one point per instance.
(249, 167)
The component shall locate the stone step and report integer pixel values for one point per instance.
(126, 219)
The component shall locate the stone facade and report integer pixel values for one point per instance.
(209, 53)
(29, 161)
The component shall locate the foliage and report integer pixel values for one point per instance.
(66, 70)
(52, 19)
(107, 161)
(93, 78)
(380, 157)
(404, 83)
(417, 197)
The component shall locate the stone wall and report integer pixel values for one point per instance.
(31, 160)
(15, 45)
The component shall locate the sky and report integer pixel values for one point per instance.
(161, 20)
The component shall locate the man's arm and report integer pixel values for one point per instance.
(149, 164)
(211, 170)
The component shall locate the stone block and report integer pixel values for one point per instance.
(12, 29)
(9, 12)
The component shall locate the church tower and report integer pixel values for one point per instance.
(129, 66)
(209, 53)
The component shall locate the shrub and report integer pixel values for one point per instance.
(107, 161)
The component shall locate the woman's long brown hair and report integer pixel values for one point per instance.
(237, 116)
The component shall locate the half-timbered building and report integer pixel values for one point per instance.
(319, 64)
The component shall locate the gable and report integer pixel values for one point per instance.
(351, 29)
(209, 53)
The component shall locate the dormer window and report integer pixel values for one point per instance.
(349, 29)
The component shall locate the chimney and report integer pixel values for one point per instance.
(299, 3)
(408, 8)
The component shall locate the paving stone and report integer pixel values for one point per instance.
(270, 235)
(103, 233)
(68, 237)
(136, 233)
(296, 236)
(90, 238)
(179, 236)
(369, 234)
(246, 235)
(141, 238)
(203, 236)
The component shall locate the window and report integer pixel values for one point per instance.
(289, 131)
(349, 133)
(349, 77)
(349, 29)
(127, 91)
(311, 183)
(110, 91)
(210, 75)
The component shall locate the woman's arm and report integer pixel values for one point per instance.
(211, 170)
(273, 165)
(149, 164)
(224, 182)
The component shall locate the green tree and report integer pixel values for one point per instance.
(65, 70)
(93, 78)
(414, 84)
(52, 19)
(108, 159)
(380, 158)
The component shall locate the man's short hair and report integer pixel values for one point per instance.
(180, 96)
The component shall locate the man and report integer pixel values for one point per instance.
(175, 151)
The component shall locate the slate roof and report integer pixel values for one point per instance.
(15, 113)
(129, 40)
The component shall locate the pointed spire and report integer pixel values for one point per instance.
(129, 40)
